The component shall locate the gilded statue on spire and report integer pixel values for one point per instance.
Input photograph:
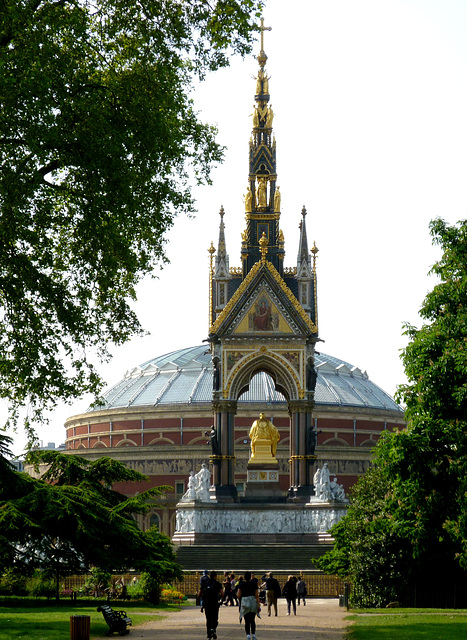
(262, 83)
(248, 200)
(255, 118)
(258, 84)
(269, 117)
(261, 193)
(277, 200)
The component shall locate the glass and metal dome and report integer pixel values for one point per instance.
(185, 377)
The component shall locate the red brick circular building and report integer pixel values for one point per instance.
(156, 417)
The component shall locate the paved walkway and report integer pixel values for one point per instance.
(320, 619)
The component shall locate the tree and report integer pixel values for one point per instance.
(407, 523)
(428, 462)
(99, 145)
(72, 519)
(367, 549)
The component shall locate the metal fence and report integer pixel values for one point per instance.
(318, 585)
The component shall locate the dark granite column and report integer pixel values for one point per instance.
(302, 450)
(224, 489)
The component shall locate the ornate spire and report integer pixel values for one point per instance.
(262, 198)
(303, 257)
(222, 259)
(221, 247)
(211, 252)
(221, 271)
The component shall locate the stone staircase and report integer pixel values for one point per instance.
(257, 558)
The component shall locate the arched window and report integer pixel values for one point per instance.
(154, 521)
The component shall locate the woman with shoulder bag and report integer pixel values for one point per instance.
(250, 606)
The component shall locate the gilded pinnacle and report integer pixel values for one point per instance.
(314, 250)
(263, 243)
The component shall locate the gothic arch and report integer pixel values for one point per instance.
(286, 379)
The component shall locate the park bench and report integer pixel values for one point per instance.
(118, 621)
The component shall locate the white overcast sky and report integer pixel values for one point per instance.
(370, 103)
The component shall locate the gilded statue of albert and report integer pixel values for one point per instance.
(263, 429)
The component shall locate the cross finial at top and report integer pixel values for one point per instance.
(263, 29)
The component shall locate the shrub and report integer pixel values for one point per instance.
(151, 588)
(41, 586)
(13, 583)
(97, 583)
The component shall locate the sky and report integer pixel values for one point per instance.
(370, 104)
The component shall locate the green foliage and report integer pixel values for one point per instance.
(14, 583)
(337, 561)
(97, 582)
(135, 590)
(99, 147)
(367, 550)
(41, 585)
(435, 360)
(429, 460)
(151, 587)
(75, 520)
(408, 518)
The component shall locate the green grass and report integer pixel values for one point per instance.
(53, 623)
(408, 624)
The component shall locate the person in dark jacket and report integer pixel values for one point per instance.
(203, 580)
(301, 591)
(273, 591)
(290, 593)
(211, 594)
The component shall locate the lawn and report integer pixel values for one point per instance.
(408, 624)
(53, 623)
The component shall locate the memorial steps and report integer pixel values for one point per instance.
(258, 558)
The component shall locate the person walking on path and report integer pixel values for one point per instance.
(290, 593)
(239, 588)
(249, 598)
(233, 588)
(227, 589)
(211, 594)
(202, 581)
(301, 591)
(273, 591)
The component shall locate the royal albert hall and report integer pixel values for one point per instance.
(259, 357)
(155, 420)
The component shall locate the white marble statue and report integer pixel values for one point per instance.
(327, 490)
(190, 493)
(337, 491)
(316, 481)
(325, 483)
(203, 482)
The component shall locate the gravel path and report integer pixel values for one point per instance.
(320, 619)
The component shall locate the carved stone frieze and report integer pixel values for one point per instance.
(306, 519)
